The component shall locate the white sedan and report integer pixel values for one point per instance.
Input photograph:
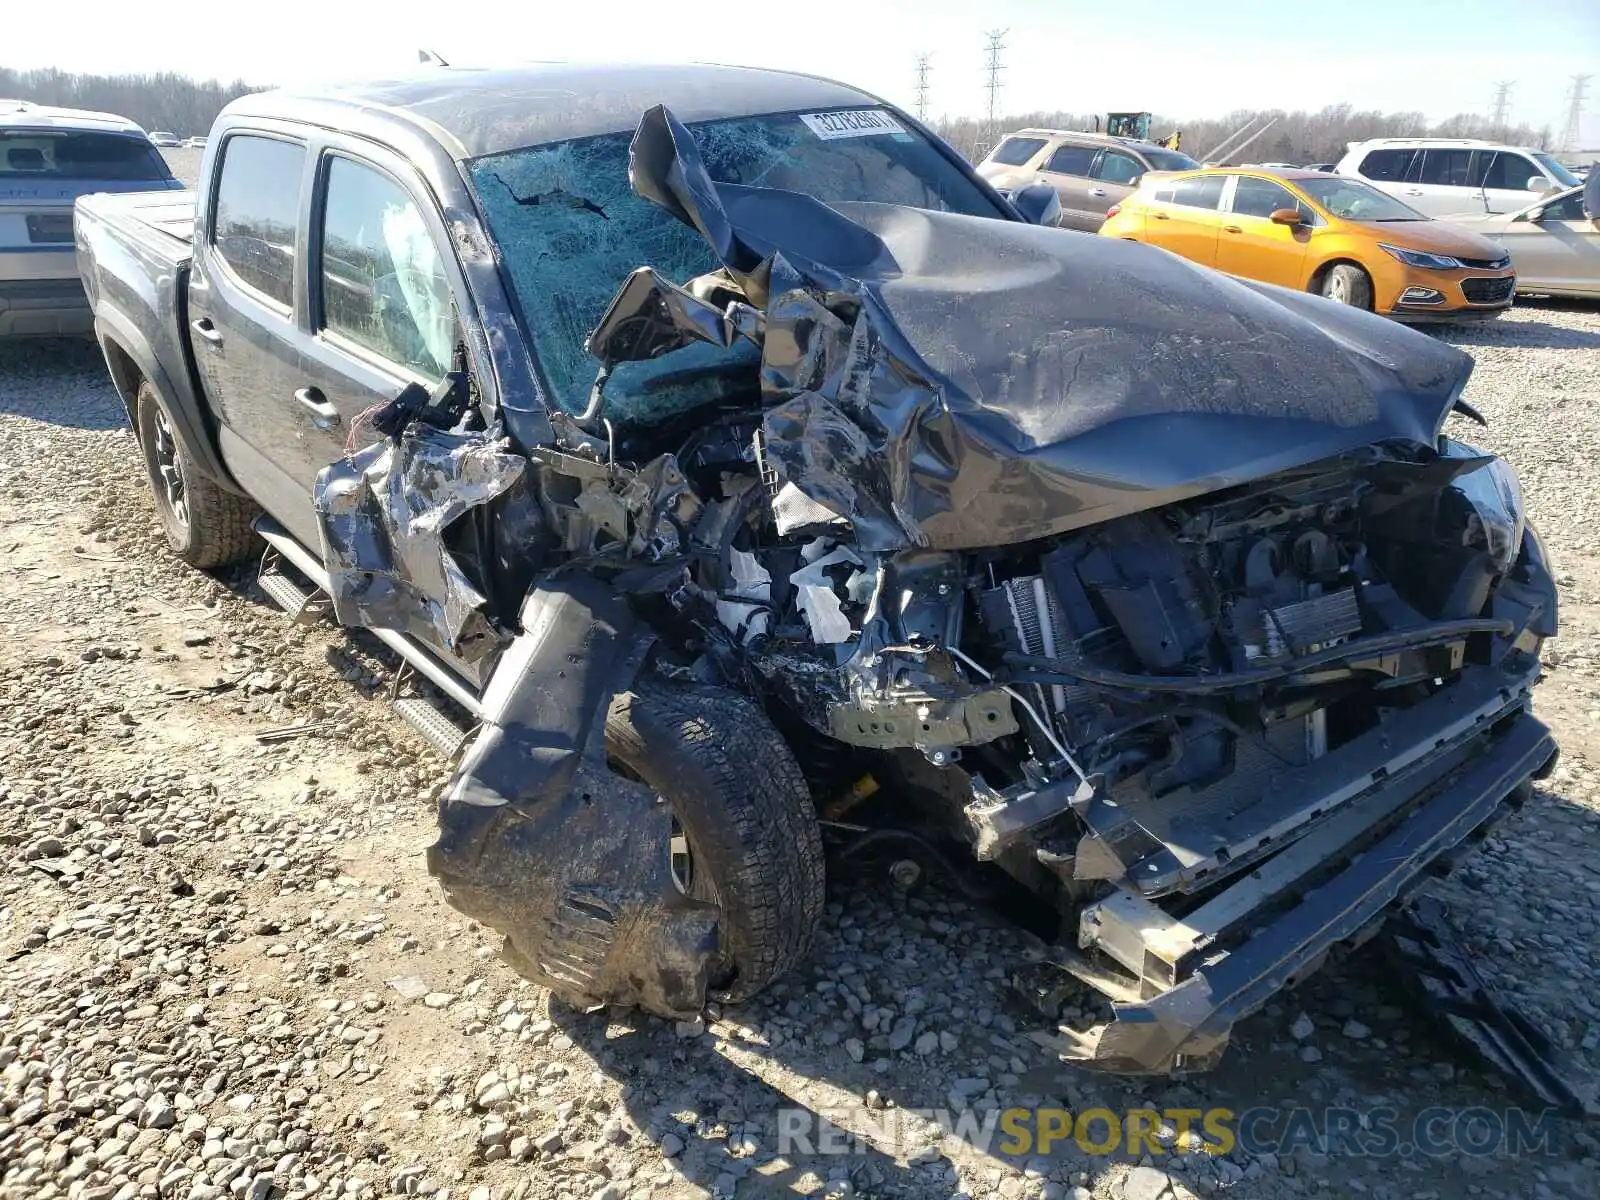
(1554, 247)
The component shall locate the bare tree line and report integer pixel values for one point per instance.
(1297, 137)
(165, 101)
(186, 106)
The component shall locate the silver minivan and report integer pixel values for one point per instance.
(1090, 171)
(1445, 177)
(48, 158)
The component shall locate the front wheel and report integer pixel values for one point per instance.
(205, 525)
(1346, 283)
(744, 833)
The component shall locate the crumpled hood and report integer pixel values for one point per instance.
(956, 382)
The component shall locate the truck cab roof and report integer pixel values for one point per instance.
(472, 112)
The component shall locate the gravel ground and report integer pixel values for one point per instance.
(225, 972)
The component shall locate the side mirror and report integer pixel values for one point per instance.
(1538, 183)
(1286, 216)
(1535, 214)
(1038, 204)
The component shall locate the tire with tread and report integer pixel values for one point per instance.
(217, 531)
(746, 813)
(1346, 283)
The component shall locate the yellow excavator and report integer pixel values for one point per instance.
(1137, 125)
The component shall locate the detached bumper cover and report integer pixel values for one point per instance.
(1187, 1027)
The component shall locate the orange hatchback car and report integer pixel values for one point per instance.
(1322, 233)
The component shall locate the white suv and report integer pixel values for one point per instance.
(1455, 176)
(48, 158)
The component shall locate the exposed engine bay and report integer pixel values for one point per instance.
(1215, 708)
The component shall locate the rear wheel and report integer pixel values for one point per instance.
(205, 525)
(744, 833)
(1346, 283)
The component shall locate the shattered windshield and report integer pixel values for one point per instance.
(570, 229)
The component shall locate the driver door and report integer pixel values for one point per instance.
(1502, 176)
(1252, 245)
(1114, 177)
(383, 304)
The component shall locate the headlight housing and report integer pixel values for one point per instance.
(1494, 498)
(1421, 258)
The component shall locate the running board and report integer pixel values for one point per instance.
(416, 657)
(299, 605)
(431, 724)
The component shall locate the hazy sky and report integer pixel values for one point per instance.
(1179, 57)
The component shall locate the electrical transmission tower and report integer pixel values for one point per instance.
(922, 86)
(1502, 106)
(1572, 132)
(994, 49)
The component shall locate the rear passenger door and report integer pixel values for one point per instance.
(1443, 183)
(1067, 170)
(1391, 170)
(245, 291)
(1183, 217)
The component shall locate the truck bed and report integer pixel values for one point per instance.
(133, 256)
(169, 213)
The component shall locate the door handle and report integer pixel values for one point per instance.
(208, 331)
(1413, 191)
(1097, 191)
(1231, 229)
(1161, 216)
(323, 414)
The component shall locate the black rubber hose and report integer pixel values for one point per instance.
(1039, 669)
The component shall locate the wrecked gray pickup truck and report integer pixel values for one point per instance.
(721, 445)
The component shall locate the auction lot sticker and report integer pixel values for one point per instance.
(861, 122)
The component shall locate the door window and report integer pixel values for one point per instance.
(1253, 197)
(1509, 172)
(1198, 191)
(1116, 167)
(1071, 160)
(1446, 167)
(1015, 151)
(1568, 208)
(1388, 166)
(383, 282)
(258, 207)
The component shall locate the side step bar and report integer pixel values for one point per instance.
(434, 726)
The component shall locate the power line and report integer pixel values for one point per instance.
(1502, 105)
(994, 48)
(923, 61)
(1572, 133)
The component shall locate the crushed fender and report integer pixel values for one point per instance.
(541, 841)
(384, 512)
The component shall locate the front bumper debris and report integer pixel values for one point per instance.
(1186, 1027)
(1443, 983)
